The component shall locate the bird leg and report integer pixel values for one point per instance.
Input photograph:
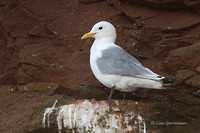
(111, 92)
(124, 96)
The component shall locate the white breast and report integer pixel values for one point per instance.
(95, 53)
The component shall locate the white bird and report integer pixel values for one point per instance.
(114, 67)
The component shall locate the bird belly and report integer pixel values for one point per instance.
(130, 84)
(107, 80)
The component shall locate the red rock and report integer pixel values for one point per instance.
(88, 1)
(42, 38)
(39, 30)
(194, 81)
(166, 4)
(41, 86)
(154, 18)
(22, 77)
(184, 74)
(198, 69)
(184, 57)
(40, 42)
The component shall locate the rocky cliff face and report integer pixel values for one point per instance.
(40, 43)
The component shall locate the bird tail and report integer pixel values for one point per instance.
(168, 81)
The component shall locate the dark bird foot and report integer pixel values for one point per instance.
(168, 81)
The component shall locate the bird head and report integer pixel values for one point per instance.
(102, 30)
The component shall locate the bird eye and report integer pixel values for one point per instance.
(100, 28)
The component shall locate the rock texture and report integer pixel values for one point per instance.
(42, 58)
(29, 110)
(40, 41)
(95, 116)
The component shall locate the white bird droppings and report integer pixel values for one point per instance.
(34, 54)
(96, 117)
(145, 130)
(140, 121)
(117, 103)
(47, 113)
(55, 33)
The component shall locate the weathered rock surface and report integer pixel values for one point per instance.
(95, 116)
(184, 57)
(43, 59)
(194, 81)
(184, 74)
(43, 42)
(32, 111)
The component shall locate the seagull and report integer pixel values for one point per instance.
(114, 67)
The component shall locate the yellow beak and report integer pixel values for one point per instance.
(87, 35)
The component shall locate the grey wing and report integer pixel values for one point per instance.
(117, 61)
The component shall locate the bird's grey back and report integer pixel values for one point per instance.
(116, 61)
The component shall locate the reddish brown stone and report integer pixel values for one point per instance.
(43, 38)
(198, 69)
(40, 42)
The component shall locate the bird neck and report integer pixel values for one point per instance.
(100, 44)
(106, 39)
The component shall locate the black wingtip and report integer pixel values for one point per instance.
(168, 81)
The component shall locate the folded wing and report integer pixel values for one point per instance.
(116, 61)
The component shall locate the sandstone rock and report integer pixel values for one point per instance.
(31, 55)
(167, 4)
(34, 111)
(6, 87)
(93, 116)
(194, 81)
(165, 20)
(31, 70)
(47, 10)
(16, 29)
(41, 86)
(22, 77)
(8, 77)
(88, 1)
(189, 51)
(198, 69)
(39, 30)
(26, 109)
(183, 57)
(43, 38)
(181, 75)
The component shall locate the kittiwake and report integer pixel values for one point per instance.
(114, 67)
